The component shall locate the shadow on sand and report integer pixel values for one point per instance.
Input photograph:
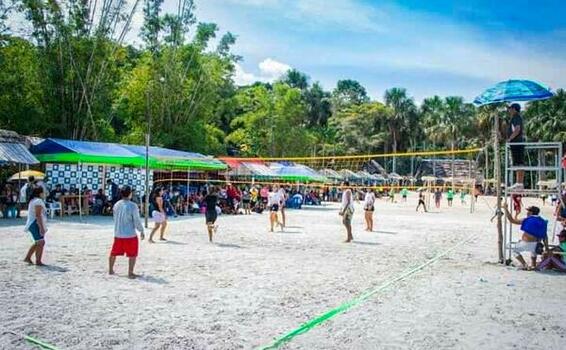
(387, 232)
(175, 243)
(290, 232)
(151, 279)
(366, 243)
(228, 245)
(53, 268)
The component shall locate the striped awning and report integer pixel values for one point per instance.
(16, 153)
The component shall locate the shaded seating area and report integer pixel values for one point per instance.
(13, 154)
(82, 170)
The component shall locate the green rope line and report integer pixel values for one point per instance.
(307, 326)
(39, 343)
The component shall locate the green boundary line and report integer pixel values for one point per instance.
(39, 343)
(307, 326)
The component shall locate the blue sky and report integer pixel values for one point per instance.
(429, 47)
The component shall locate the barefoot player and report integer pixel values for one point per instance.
(36, 225)
(126, 222)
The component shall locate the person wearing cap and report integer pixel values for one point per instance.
(126, 222)
(515, 135)
(534, 232)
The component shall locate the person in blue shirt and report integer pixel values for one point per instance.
(534, 235)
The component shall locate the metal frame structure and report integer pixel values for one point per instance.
(556, 168)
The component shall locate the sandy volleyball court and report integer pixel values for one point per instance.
(251, 286)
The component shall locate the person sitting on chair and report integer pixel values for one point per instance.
(534, 231)
(556, 257)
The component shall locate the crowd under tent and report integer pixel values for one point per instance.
(78, 164)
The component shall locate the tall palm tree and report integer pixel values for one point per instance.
(432, 110)
(455, 120)
(401, 106)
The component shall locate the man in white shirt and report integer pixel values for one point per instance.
(347, 210)
(126, 222)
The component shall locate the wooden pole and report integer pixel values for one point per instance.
(497, 176)
(147, 141)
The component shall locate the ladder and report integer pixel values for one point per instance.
(551, 151)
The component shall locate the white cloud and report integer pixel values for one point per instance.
(273, 69)
(242, 77)
(269, 71)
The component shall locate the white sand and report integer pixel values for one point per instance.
(251, 286)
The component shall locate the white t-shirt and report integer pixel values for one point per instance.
(273, 198)
(347, 200)
(23, 193)
(31, 213)
(369, 200)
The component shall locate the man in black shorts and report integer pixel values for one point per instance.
(211, 214)
(515, 135)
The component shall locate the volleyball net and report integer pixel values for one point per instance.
(386, 170)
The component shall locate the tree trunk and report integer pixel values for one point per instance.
(453, 167)
(486, 169)
(394, 166)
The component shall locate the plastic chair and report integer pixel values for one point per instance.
(52, 207)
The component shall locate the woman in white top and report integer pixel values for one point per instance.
(158, 214)
(369, 208)
(36, 225)
(273, 204)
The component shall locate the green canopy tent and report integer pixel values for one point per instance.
(70, 151)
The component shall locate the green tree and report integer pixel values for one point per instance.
(362, 128)
(272, 122)
(348, 92)
(545, 121)
(21, 91)
(402, 107)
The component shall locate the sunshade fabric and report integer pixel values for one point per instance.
(241, 167)
(70, 151)
(349, 174)
(16, 153)
(513, 91)
(331, 174)
(296, 172)
(24, 175)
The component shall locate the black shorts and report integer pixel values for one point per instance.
(369, 208)
(518, 154)
(274, 208)
(211, 216)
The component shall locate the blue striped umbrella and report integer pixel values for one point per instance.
(513, 91)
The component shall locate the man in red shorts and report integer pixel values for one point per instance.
(126, 222)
